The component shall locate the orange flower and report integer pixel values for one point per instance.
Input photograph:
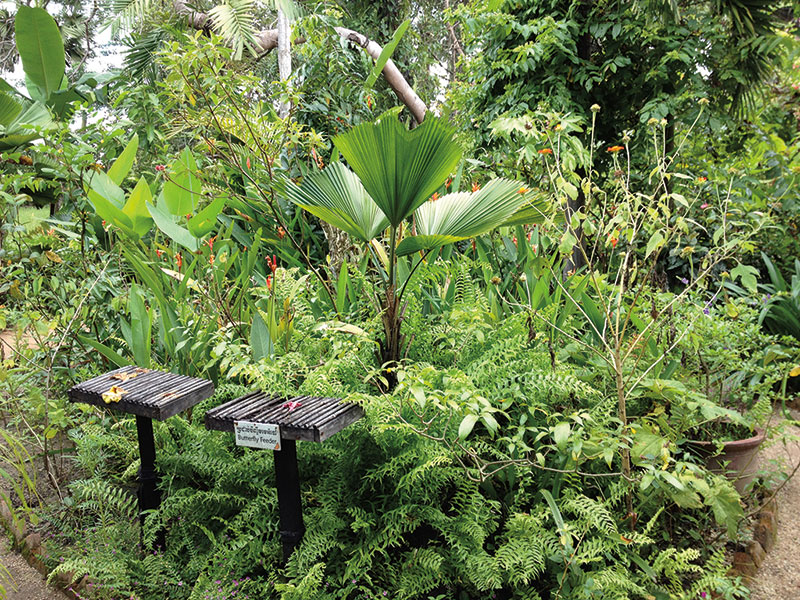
(281, 232)
(159, 252)
(210, 242)
(546, 151)
(269, 282)
(613, 239)
(701, 179)
(179, 260)
(435, 197)
(523, 190)
(475, 186)
(211, 259)
(615, 149)
(449, 182)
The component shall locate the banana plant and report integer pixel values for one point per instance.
(394, 176)
(41, 49)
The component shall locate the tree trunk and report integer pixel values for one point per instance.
(338, 245)
(284, 57)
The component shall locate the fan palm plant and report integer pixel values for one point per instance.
(395, 176)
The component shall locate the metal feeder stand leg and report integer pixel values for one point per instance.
(287, 480)
(148, 493)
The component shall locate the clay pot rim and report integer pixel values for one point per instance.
(741, 444)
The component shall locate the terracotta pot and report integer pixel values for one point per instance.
(738, 459)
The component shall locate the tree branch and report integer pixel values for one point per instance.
(267, 40)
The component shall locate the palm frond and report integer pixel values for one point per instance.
(749, 17)
(233, 20)
(400, 169)
(463, 215)
(336, 196)
(140, 56)
(124, 14)
(536, 208)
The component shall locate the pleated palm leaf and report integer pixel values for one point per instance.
(395, 173)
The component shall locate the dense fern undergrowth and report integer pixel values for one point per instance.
(406, 503)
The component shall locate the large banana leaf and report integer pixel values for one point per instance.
(463, 215)
(41, 49)
(336, 196)
(400, 169)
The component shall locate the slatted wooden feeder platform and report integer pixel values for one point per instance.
(148, 394)
(266, 421)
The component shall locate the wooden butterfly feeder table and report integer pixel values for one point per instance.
(260, 420)
(149, 395)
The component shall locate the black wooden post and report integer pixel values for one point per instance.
(148, 493)
(287, 479)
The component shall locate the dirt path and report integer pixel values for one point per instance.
(8, 342)
(779, 575)
(26, 582)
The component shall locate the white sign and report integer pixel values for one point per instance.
(257, 435)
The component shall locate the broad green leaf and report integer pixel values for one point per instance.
(726, 505)
(9, 109)
(182, 190)
(260, 339)
(341, 287)
(41, 48)
(655, 242)
(466, 426)
(568, 188)
(336, 196)
(141, 327)
(122, 165)
(166, 223)
(646, 447)
(113, 215)
(462, 215)
(205, 220)
(386, 54)
(748, 276)
(105, 351)
(101, 186)
(561, 434)
(400, 169)
(136, 207)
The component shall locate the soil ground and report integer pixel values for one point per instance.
(26, 582)
(779, 575)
